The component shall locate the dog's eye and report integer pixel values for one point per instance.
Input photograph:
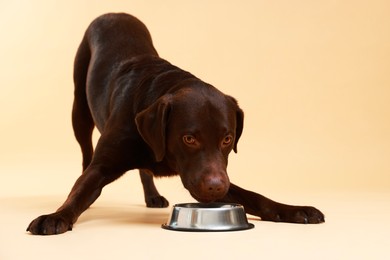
(189, 139)
(227, 140)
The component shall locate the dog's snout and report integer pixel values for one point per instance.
(214, 187)
(208, 182)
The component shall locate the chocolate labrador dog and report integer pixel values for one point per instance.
(154, 117)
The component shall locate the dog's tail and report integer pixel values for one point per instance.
(81, 65)
(82, 120)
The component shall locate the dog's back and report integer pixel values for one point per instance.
(98, 52)
(132, 38)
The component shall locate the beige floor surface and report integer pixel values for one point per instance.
(119, 226)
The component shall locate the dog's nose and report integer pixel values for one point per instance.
(214, 188)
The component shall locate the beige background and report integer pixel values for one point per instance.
(312, 77)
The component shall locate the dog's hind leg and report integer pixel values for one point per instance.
(153, 199)
(82, 120)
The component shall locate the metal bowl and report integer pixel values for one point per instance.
(207, 217)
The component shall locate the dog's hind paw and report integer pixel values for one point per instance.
(157, 202)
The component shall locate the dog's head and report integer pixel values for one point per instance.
(194, 130)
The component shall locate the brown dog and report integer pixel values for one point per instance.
(154, 117)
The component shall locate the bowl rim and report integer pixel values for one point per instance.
(208, 206)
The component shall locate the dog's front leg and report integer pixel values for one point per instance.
(266, 209)
(84, 192)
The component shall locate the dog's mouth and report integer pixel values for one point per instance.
(209, 196)
(209, 188)
(203, 199)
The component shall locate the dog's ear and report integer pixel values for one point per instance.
(151, 124)
(239, 126)
(239, 122)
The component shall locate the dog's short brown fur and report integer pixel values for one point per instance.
(154, 117)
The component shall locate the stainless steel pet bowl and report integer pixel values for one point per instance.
(207, 217)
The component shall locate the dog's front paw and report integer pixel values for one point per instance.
(156, 202)
(295, 214)
(51, 224)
